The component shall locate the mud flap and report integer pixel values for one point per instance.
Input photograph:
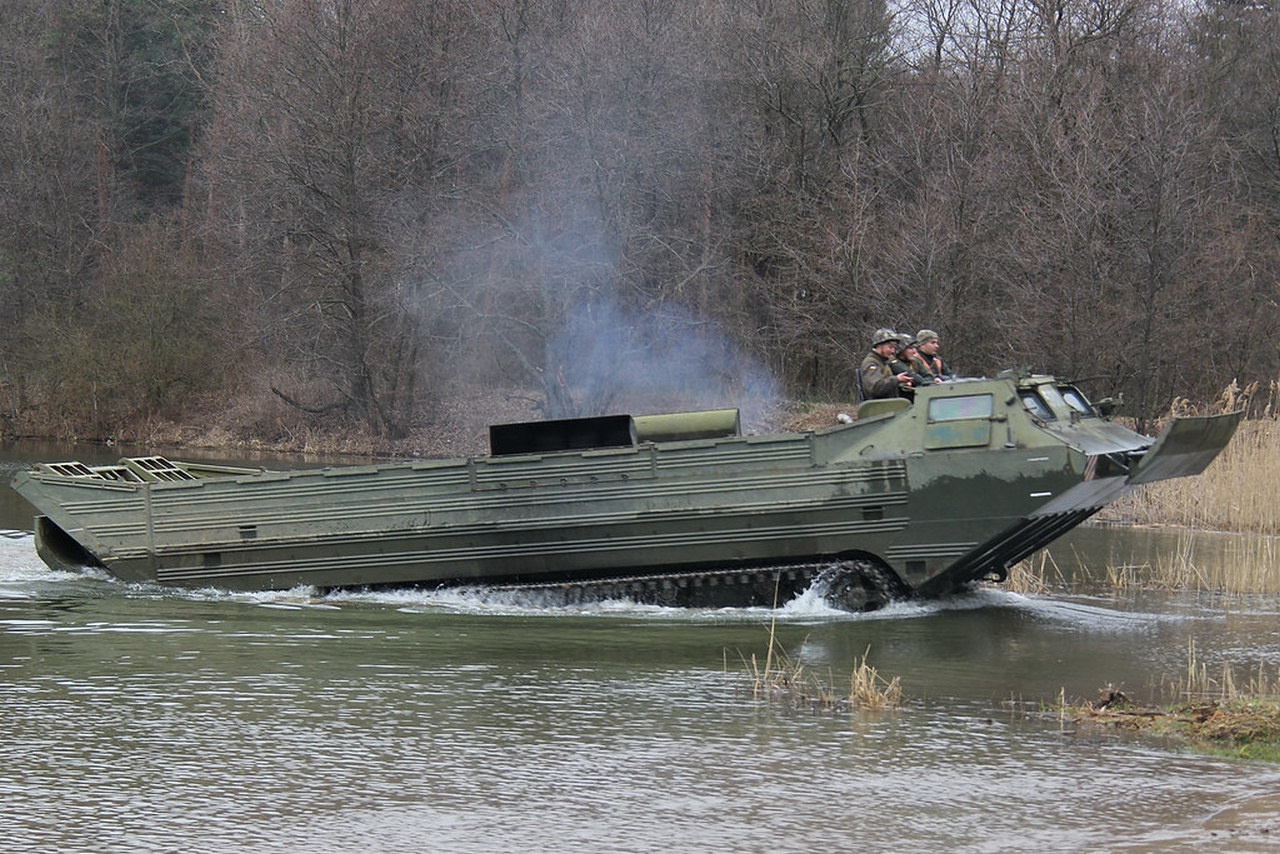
(1186, 448)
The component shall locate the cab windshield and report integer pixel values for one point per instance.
(1035, 405)
(1077, 401)
(1048, 402)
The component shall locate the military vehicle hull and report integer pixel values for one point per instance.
(959, 485)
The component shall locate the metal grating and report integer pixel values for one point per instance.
(156, 468)
(68, 469)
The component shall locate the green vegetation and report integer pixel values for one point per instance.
(1217, 715)
(1245, 728)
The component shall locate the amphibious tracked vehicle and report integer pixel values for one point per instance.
(912, 499)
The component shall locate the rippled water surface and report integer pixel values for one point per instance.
(145, 719)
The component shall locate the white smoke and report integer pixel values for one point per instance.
(612, 360)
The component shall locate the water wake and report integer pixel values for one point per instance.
(24, 575)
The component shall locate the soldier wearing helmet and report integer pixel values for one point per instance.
(908, 359)
(875, 377)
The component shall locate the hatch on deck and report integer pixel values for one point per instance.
(153, 469)
(129, 469)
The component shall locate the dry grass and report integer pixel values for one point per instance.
(454, 424)
(783, 680)
(1037, 574)
(1227, 713)
(869, 690)
(1236, 492)
(1250, 564)
(811, 416)
(1197, 686)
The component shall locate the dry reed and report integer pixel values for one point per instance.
(786, 681)
(1037, 574)
(1246, 564)
(1236, 492)
(1197, 686)
(869, 690)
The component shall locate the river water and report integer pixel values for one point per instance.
(139, 718)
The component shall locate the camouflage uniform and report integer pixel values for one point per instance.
(932, 365)
(875, 379)
(920, 365)
(920, 373)
(936, 367)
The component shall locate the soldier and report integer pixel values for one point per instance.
(875, 379)
(909, 360)
(927, 344)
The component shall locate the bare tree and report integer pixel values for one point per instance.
(399, 194)
(1237, 83)
(329, 152)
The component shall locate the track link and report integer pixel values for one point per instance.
(850, 585)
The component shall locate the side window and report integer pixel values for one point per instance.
(959, 422)
(961, 408)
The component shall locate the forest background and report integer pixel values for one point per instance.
(277, 219)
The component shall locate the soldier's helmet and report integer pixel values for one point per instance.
(883, 335)
(926, 335)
